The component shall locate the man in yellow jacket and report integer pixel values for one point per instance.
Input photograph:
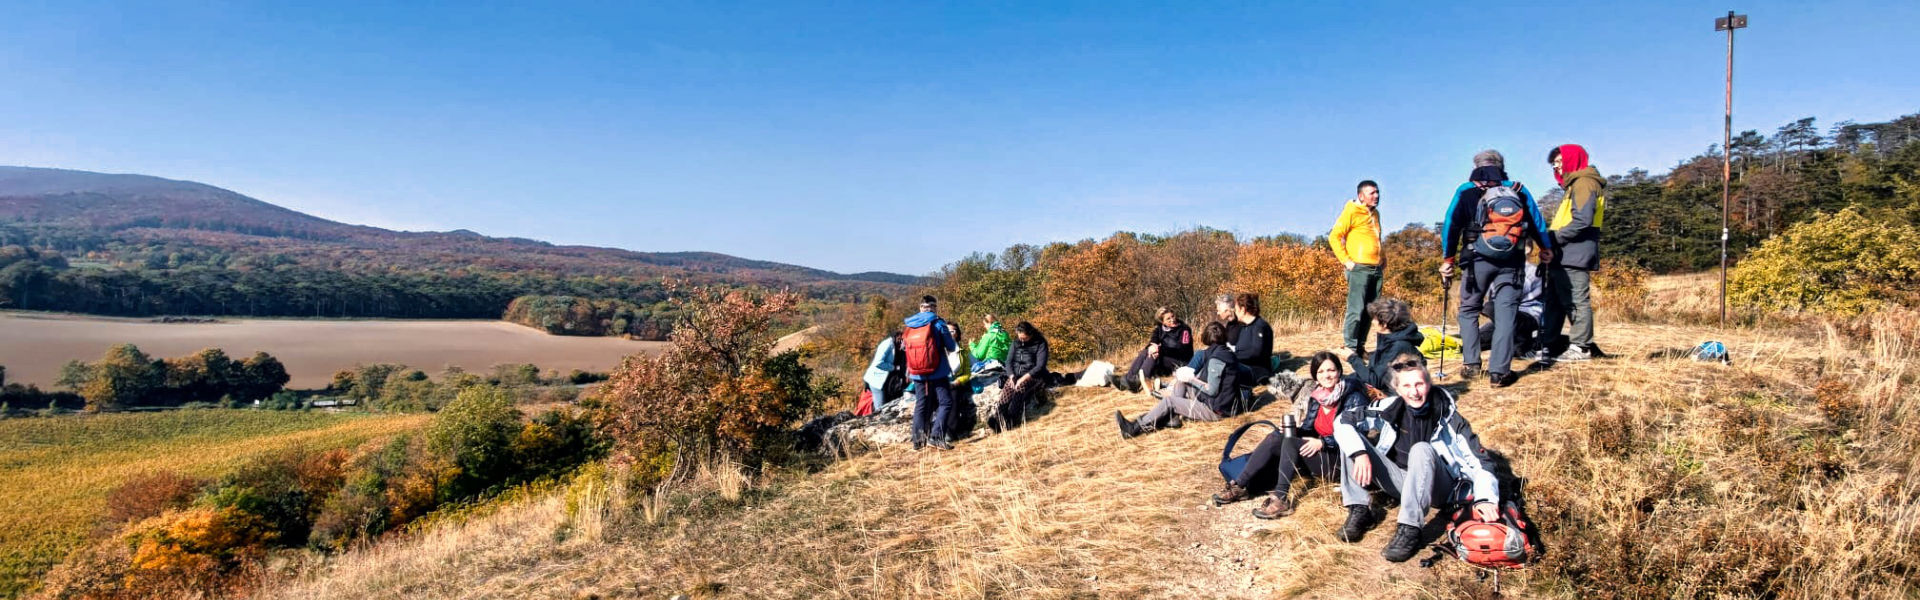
(1356, 242)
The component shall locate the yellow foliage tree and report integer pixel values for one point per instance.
(1290, 278)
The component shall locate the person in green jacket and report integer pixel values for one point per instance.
(992, 344)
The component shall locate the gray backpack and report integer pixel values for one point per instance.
(1502, 221)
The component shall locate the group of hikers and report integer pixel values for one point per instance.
(1372, 421)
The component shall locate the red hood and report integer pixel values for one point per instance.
(1572, 158)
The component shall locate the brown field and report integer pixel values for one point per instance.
(33, 346)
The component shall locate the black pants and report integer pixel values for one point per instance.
(1145, 366)
(1283, 453)
(1523, 329)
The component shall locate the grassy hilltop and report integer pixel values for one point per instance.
(1786, 474)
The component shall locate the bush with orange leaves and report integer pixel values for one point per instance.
(1089, 305)
(195, 551)
(713, 391)
(1290, 278)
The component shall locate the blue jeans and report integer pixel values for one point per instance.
(930, 418)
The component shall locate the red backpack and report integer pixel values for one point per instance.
(1505, 544)
(922, 347)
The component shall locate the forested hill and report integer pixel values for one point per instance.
(155, 208)
(138, 245)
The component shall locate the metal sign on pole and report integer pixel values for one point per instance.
(1727, 24)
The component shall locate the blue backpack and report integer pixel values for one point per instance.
(1712, 351)
(1231, 466)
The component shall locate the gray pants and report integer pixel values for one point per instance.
(1424, 484)
(1363, 287)
(1499, 284)
(1182, 399)
(1568, 294)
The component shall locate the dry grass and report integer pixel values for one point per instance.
(1787, 474)
(56, 472)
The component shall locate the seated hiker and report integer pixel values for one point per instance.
(1168, 346)
(1253, 346)
(1026, 376)
(1424, 448)
(1398, 335)
(1223, 313)
(1310, 450)
(1526, 322)
(992, 344)
(1209, 395)
(885, 364)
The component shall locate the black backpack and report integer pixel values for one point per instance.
(896, 384)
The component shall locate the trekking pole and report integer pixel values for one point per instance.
(1446, 288)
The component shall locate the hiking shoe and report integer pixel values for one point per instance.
(1470, 371)
(1500, 380)
(919, 444)
(1405, 544)
(1574, 354)
(1132, 381)
(1359, 520)
(1540, 356)
(1233, 493)
(1113, 381)
(1277, 506)
(1128, 429)
(940, 444)
(1174, 421)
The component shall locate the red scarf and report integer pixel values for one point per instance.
(1572, 158)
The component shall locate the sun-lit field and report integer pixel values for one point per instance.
(55, 472)
(35, 345)
(1785, 474)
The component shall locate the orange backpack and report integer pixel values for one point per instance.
(922, 347)
(1502, 219)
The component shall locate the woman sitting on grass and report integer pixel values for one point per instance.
(1169, 345)
(1026, 376)
(1311, 450)
(1210, 395)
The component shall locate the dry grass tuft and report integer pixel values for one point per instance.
(1787, 474)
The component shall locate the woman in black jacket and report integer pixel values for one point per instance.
(1026, 376)
(1398, 335)
(1254, 346)
(1311, 450)
(1169, 346)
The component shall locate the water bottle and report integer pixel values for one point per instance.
(1289, 427)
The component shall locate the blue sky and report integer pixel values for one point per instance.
(900, 136)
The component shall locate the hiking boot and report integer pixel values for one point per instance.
(1469, 371)
(1500, 380)
(940, 444)
(1277, 506)
(1233, 493)
(1405, 544)
(919, 444)
(1174, 421)
(1128, 429)
(1359, 520)
(1574, 354)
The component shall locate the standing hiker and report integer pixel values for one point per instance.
(1356, 242)
(1576, 232)
(1489, 224)
(926, 343)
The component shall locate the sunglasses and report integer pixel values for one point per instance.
(1405, 365)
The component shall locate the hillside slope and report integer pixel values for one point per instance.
(1652, 477)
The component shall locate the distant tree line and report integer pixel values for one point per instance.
(574, 315)
(127, 378)
(1671, 223)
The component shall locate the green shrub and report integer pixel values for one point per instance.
(475, 434)
(1842, 264)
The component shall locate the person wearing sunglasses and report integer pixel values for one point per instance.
(1424, 447)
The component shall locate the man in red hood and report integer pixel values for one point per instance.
(1576, 233)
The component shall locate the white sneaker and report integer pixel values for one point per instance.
(1574, 353)
(1537, 356)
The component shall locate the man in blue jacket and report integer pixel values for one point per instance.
(1487, 236)
(930, 418)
